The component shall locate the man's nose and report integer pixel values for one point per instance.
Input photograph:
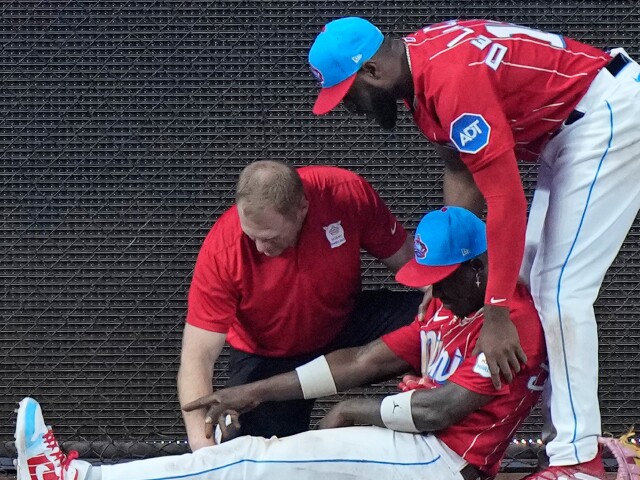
(261, 246)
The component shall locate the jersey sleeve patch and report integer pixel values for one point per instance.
(470, 133)
(482, 367)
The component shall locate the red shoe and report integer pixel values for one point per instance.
(592, 470)
(39, 455)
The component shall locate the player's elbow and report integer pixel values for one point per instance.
(431, 419)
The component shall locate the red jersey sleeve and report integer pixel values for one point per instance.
(382, 234)
(212, 299)
(405, 343)
(469, 107)
(500, 184)
(473, 374)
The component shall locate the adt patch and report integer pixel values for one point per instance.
(470, 132)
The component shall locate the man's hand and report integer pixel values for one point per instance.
(500, 344)
(228, 427)
(238, 399)
(341, 415)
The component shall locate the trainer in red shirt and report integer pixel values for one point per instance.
(278, 278)
(454, 396)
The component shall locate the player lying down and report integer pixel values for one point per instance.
(448, 423)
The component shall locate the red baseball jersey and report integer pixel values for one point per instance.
(484, 87)
(299, 301)
(440, 348)
(496, 92)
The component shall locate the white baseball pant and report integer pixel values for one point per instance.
(353, 453)
(587, 197)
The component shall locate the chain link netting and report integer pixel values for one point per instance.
(123, 127)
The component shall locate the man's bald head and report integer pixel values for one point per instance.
(270, 184)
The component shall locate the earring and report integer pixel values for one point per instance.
(478, 279)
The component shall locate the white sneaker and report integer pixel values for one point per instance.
(39, 456)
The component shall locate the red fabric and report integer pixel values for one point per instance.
(440, 349)
(506, 225)
(523, 97)
(299, 301)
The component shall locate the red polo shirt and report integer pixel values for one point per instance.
(299, 301)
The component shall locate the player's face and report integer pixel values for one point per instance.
(271, 231)
(373, 101)
(459, 292)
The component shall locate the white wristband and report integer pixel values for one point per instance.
(316, 379)
(395, 411)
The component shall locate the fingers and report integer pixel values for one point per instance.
(521, 355)
(229, 425)
(494, 369)
(213, 412)
(200, 403)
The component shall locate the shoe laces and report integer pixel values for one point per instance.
(60, 458)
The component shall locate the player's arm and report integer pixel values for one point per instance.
(324, 376)
(459, 187)
(200, 350)
(412, 411)
(401, 257)
(500, 184)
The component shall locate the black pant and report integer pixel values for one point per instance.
(376, 312)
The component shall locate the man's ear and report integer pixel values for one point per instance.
(476, 265)
(370, 70)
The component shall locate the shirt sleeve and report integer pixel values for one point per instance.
(480, 131)
(405, 343)
(212, 299)
(473, 374)
(500, 184)
(381, 233)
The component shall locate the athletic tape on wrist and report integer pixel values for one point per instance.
(395, 411)
(316, 379)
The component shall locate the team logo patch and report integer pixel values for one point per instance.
(470, 133)
(482, 367)
(318, 74)
(335, 234)
(419, 248)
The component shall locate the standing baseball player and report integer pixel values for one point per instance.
(486, 94)
(471, 421)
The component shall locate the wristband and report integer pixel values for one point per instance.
(395, 411)
(316, 379)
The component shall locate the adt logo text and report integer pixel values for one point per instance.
(470, 132)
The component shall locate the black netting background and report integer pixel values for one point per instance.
(123, 125)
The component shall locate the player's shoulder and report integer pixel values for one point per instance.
(335, 183)
(325, 175)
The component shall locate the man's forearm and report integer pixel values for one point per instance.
(191, 386)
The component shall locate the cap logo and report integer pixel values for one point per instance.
(465, 252)
(318, 74)
(419, 248)
(356, 58)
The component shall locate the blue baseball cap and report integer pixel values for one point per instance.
(337, 54)
(444, 239)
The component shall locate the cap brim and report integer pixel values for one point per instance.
(330, 97)
(413, 274)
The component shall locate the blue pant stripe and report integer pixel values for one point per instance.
(584, 213)
(327, 460)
